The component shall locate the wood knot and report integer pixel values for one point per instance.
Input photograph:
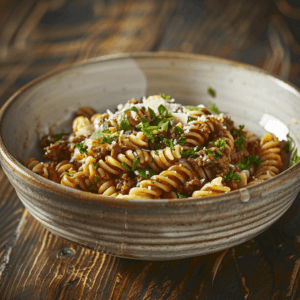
(66, 253)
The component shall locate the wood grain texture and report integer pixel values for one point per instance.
(39, 36)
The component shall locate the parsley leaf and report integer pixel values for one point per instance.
(246, 163)
(146, 173)
(213, 108)
(181, 196)
(125, 166)
(152, 160)
(169, 143)
(82, 149)
(90, 187)
(178, 130)
(165, 97)
(152, 114)
(240, 141)
(156, 152)
(216, 154)
(59, 135)
(295, 158)
(124, 123)
(182, 140)
(220, 143)
(191, 119)
(135, 163)
(96, 179)
(165, 126)
(95, 165)
(99, 133)
(163, 111)
(193, 108)
(288, 145)
(187, 152)
(68, 173)
(211, 92)
(232, 176)
(237, 131)
(133, 108)
(109, 139)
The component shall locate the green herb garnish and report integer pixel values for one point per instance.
(178, 130)
(187, 152)
(146, 173)
(82, 149)
(193, 108)
(124, 123)
(169, 143)
(213, 108)
(249, 161)
(237, 131)
(295, 158)
(220, 143)
(240, 141)
(182, 140)
(232, 176)
(133, 108)
(211, 92)
(135, 163)
(99, 133)
(58, 136)
(95, 165)
(109, 139)
(96, 179)
(181, 196)
(68, 173)
(90, 187)
(216, 154)
(164, 97)
(288, 145)
(156, 152)
(125, 166)
(191, 119)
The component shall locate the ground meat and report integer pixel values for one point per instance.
(228, 122)
(58, 151)
(222, 166)
(49, 139)
(125, 183)
(85, 111)
(191, 186)
(237, 154)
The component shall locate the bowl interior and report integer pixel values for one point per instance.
(259, 101)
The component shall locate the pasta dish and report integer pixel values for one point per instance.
(155, 148)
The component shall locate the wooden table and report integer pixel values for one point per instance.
(39, 36)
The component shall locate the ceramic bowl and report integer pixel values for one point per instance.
(149, 229)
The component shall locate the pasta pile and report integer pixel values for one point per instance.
(156, 148)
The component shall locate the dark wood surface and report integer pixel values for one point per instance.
(39, 36)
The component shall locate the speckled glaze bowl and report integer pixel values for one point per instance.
(149, 229)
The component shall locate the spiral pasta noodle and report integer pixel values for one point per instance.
(155, 148)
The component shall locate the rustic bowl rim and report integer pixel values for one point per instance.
(83, 196)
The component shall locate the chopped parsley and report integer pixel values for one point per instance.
(95, 165)
(220, 143)
(124, 123)
(187, 152)
(191, 119)
(96, 179)
(164, 97)
(146, 173)
(181, 196)
(153, 182)
(133, 108)
(125, 166)
(232, 176)
(164, 112)
(135, 163)
(98, 134)
(211, 92)
(156, 152)
(165, 126)
(295, 158)
(178, 130)
(213, 108)
(238, 131)
(182, 140)
(193, 108)
(82, 149)
(109, 139)
(240, 141)
(216, 154)
(249, 161)
(169, 143)
(91, 187)
(58, 136)
(68, 173)
(152, 160)
(288, 145)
